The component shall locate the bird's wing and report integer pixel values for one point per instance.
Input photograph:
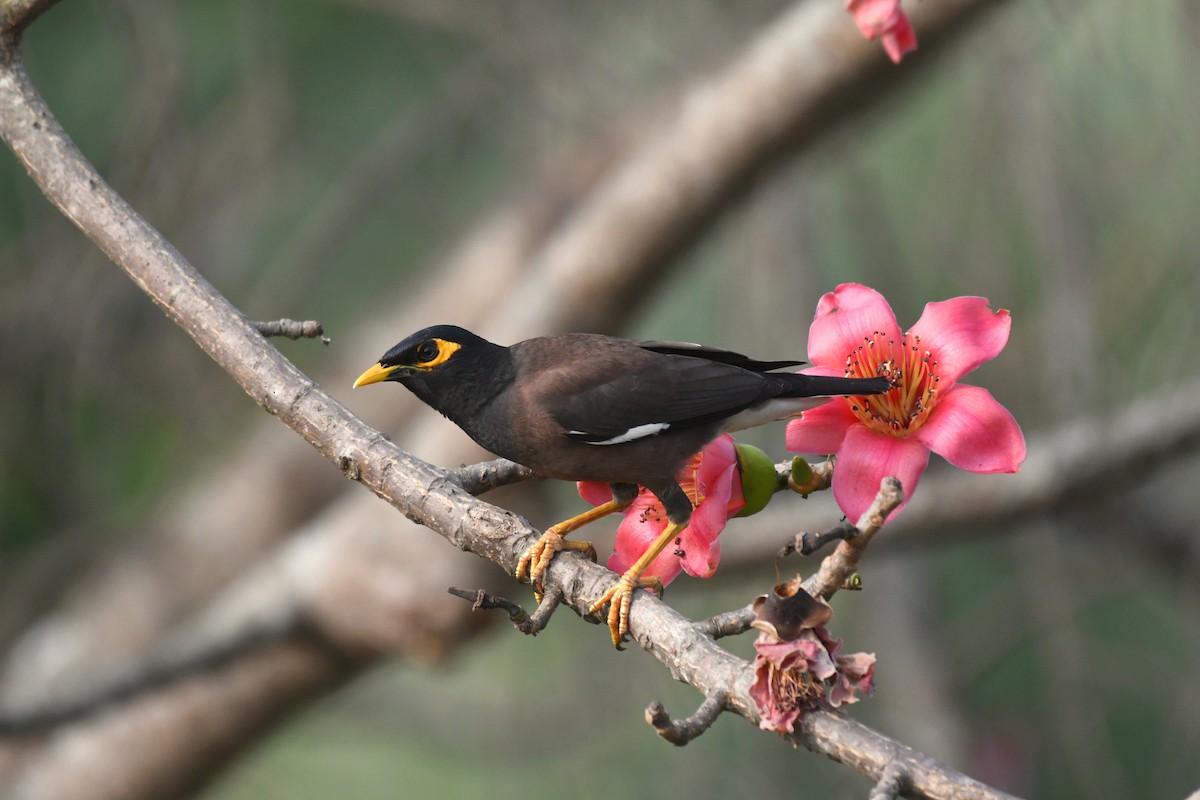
(715, 354)
(667, 393)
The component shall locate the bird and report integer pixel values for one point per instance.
(591, 407)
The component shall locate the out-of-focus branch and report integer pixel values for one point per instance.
(796, 81)
(167, 743)
(1087, 459)
(166, 666)
(1101, 456)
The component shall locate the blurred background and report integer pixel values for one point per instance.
(379, 165)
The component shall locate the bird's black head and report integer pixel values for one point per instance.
(448, 367)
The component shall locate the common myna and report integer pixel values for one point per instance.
(586, 407)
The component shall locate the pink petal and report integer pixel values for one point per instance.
(831, 644)
(874, 16)
(856, 672)
(708, 520)
(718, 475)
(719, 454)
(844, 318)
(972, 431)
(635, 535)
(821, 429)
(594, 492)
(858, 667)
(820, 661)
(962, 333)
(642, 523)
(899, 40)
(697, 545)
(865, 459)
(697, 561)
(829, 372)
(884, 20)
(774, 716)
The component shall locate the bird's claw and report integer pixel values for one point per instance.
(619, 598)
(537, 557)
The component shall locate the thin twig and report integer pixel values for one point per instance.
(680, 732)
(728, 623)
(293, 329)
(892, 783)
(808, 543)
(476, 479)
(481, 600)
(839, 566)
(552, 597)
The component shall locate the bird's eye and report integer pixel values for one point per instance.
(427, 351)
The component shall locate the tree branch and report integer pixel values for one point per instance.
(15, 17)
(837, 568)
(721, 135)
(166, 666)
(293, 329)
(680, 732)
(477, 479)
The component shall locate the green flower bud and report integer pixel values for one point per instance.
(759, 479)
(803, 479)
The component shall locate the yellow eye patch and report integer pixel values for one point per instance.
(445, 349)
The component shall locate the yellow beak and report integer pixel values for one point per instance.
(375, 374)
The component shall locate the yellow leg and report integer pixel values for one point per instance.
(536, 560)
(619, 596)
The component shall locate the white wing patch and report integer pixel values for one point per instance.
(636, 432)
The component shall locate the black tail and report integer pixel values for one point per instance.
(824, 386)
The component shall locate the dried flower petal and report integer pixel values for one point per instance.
(803, 671)
(788, 610)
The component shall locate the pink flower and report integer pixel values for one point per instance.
(855, 333)
(712, 482)
(884, 20)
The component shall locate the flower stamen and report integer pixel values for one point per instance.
(913, 373)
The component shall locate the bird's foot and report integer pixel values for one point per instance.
(619, 598)
(536, 559)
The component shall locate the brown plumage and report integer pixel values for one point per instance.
(599, 408)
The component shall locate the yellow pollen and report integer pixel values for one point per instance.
(913, 373)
